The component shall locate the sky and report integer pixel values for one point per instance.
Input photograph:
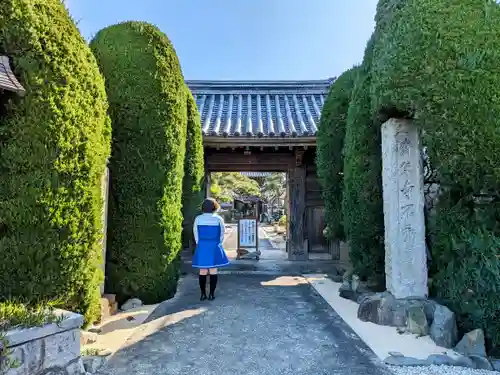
(247, 39)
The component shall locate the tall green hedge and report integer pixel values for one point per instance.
(437, 61)
(362, 193)
(54, 143)
(329, 156)
(147, 98)
(193, 164)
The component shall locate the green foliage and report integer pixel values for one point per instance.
(225, 186)
(330, 143)
(54, 143)
(192, 194)
(362, 192)
(465, 264)
(282, 221)
(273, 187)
(437, 62)
(147, 96)
(15, 314)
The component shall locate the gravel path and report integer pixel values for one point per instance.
(439, 370)
(257, 325)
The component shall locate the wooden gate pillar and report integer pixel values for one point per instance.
(297, 249)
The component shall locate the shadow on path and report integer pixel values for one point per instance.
(256, 325)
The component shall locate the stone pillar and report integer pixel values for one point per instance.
(402, 178)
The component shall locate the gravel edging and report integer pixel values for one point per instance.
(438, 370)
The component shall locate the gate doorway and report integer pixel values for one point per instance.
(269, 126)
(259, 196)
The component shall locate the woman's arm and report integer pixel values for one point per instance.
(222, 229)
(195, 230)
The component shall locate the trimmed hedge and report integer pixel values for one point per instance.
(194, 172)
(437, 61)
(54, 143)
(194, 163)
(362, 203)
(329, 156)
(147, 98)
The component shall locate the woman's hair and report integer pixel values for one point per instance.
(209, 206)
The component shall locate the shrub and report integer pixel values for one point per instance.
(330, 143)
(147, 98)
(282, 221)
(437, 62)
(193, 164)
(362, 204)
(54, 143)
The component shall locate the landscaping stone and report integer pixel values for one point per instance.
(405, 361)
(132, 304)
(495, 363)
(346, 292)
(440, 360)
(87, 337)
(481, 362)
(472, 344)
(416, 321)
(93, 363)
(396, 354)
(432, 360)
(444, 327)
(355, 283)
(50, 349)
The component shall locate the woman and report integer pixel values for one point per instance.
(208, 231)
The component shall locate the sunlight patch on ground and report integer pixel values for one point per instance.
(285, 281)
(156, 325)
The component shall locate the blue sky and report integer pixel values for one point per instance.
(252, 39)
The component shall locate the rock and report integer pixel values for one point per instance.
(368, 310)
(405, 361)
(472, 344)
(110, 297)
(441, 359)
(346, 292)
(384, 309)
(95, 330)
(396, 354)
(93, 363)
(87, 337)
(416, 321)
(461, 360)
(132, 304)
(355, 283)
(481, 362)
(113, 309)
(495, 363)
(75, 368)
(444, 327)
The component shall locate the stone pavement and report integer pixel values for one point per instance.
(258, 324)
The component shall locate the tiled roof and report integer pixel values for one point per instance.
(260, 108)
(7, 79)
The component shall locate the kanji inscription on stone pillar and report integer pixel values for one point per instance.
(403, 193)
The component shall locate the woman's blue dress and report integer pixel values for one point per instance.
(209, 252)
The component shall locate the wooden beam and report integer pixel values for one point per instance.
(297, 187)
(230, 158)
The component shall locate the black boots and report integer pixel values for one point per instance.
(203, 287)
(213, 285)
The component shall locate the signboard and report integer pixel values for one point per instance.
(247, 233)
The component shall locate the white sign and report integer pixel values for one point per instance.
(248, 233)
